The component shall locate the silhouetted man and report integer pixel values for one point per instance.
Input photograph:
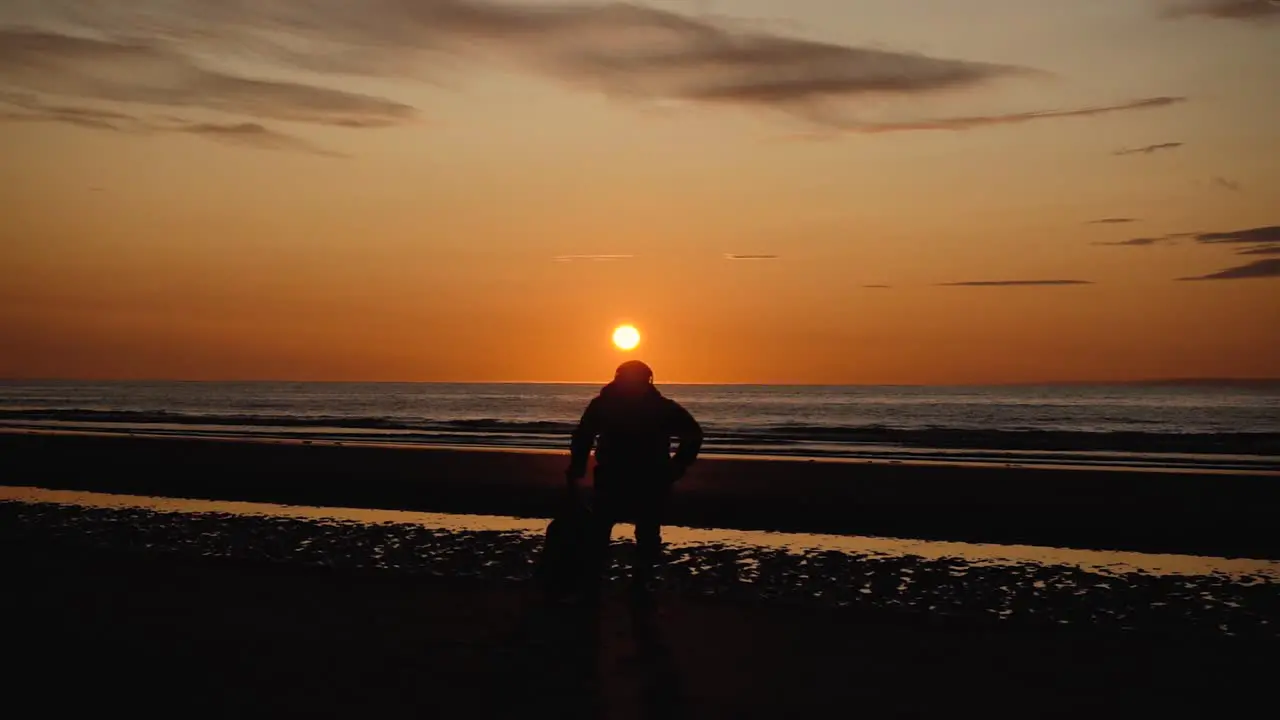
(631, 425)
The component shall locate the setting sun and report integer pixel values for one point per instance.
(626, 337)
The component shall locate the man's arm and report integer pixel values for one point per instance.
(580, 443)
(689, 434)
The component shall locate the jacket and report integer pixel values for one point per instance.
(632, 431)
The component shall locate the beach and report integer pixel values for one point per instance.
(1204, 513)
(157, 634)
(149, 575)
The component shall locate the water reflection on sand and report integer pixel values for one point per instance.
(1045, 585)
(677, 537)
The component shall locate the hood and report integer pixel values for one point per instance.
(622, 390)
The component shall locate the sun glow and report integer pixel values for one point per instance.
(626, 337)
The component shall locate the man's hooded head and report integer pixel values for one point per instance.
(632, 378)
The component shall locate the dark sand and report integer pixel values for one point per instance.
(1034, 588)
(221, 615)
(1207, 514)
(97, 632)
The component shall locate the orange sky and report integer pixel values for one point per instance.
(377, 195)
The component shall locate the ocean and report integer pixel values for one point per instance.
(1201, 426)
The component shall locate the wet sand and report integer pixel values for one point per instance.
(1194, 513)
(997, 585)
(99, 628)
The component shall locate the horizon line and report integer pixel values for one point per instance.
(1018, 383)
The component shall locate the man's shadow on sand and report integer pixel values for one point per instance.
(594, 657)
(661, 685)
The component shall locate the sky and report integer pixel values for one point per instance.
(817, 191)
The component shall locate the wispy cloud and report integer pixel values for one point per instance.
(1141, 242)
(25, 107)
(618, 48)
(1254, 10)
(978, 121)
(152, 73)
(591, 258)
(1260, 250)
(1227, 184)
(878, 287)
(29, 108)
(1264, 240)
(1148, 149)
(730, 256)
(91, 121)
(253, 135)
(1015, 283)
(1268, 268)
(1265, 234)
(1112, 221)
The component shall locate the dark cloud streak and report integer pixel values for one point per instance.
(136, 71)
(1015, 283)
(977, 121)
(1140, 242)
(253, 135)
(1268, 268)
(591, 258)
(1249, 10)
(32, 109)
(78, 120)
(1260, 250)
(1266, 234)
(1260, 236)
(1112, 221)
(29, 108)
(1148, 149)
(1227, 184)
